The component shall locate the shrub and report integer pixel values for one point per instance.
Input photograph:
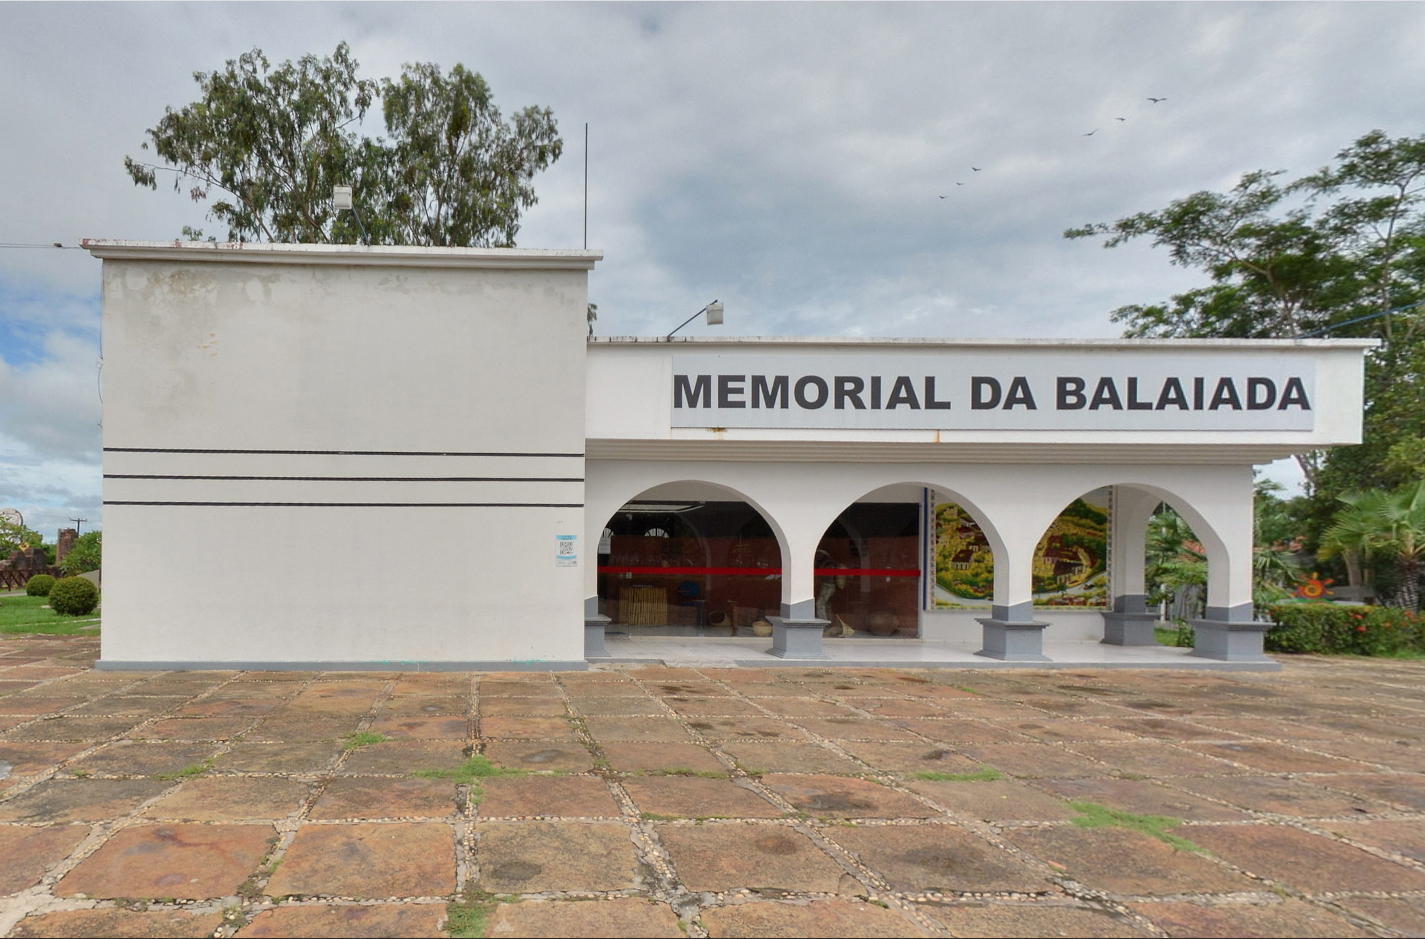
(73, 596)
(86, 555)
(1333, 629)
(39, 585)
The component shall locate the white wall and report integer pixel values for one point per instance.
(430, 406)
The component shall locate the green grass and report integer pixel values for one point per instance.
(988, 774)
(466, 919)
(365, 738)
(21, 614)
(1093, 815)
(685, 771)
(188, 772)
(477, 767)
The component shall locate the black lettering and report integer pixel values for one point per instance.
(984, 393)
(801, 392)
(700, 390)
(903, 392)
(1197, 391)
(1294, 393)
(930, 403)
(761, 392)
(848, 388)
(1106, 395)
(875, 392)
(1020, 395)
(1133, 403)
(728, 387)
(1070, 394)
(1173, 393)
(1225, 395)
(1267, 396)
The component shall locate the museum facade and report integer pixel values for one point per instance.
(357, 457)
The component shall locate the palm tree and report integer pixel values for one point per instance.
(1389, 525)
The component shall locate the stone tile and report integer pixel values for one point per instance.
(26, 853)
(494, 687)
(844, 797)
(533, 857)
(684, 689)
(614, 919)
(194, 728)
(1305, 861)
(854, 728)
(1035, 759)
(819, 918)
(700, 707)
(422, 728)
(119, 924)
(351, 689)
(658, 673)
(80, 800)
(128, 758)
(1277, 757)
(231, 707)
(1264, 919)
(576, 796)
(696, 797)
(433, 684)
(1151, 758)
(310, 758)
(602, 688)
(365, 921)
(619, 706)
(1403, 789)
(900, 707)
(357, 797)
(1000, 800)
(368, 860)
(119, 704)
(1051, 731)
(746, 728)
(721, 857)
(182, 861)
(1096, 857)
(1403, 756)
(89, 729)
(522, 707)
(627, 757)
(741, 675)
(910, 757)
(766, 757)
(1405, 916)
(1141, 797)
(228, 798)
(1268, 729)
(538, 755)
(276, 729)
(1402, 836)
(807, 707)
(31, 759)
(962, 731)
(644, 729)
(938, 857)
(527, 728)
(994, 920)
(1163, 728)
(1281, 796)
(399, 757)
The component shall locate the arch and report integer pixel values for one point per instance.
(710, 591)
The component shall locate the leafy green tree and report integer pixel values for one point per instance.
(1388, 525)
(85, 555)
(13, 537)
(269, 144)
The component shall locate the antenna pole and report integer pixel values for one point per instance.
(586, 185)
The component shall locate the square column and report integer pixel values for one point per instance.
(1129, 623)
(594, 623)
(1013, 635)
(797, 638)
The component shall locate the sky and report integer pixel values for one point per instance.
(812, 166)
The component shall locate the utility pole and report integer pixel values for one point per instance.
(77, 522)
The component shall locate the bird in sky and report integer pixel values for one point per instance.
(1120, 118)
(975, 168)
(959, 184)
(942, 197)
(1091, 133)
(1156, 100)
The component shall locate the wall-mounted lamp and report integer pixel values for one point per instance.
(342, 201)
(714, 312)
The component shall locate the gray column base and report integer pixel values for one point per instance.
(797, 638)
(594, 636)
(1229, 641)
(1013, 642)
(1129, 629)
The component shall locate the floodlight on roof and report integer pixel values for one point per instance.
(714, 312)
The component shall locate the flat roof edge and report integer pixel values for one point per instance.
(343, 255)
(935, 342)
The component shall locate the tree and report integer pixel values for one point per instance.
(271, 143)
(14, 537)
(85, 555)
(1343, 244)
(1385, 525)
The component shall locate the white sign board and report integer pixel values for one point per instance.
(965, 389)
(566, 551)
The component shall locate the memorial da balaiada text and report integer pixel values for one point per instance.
(352, 457)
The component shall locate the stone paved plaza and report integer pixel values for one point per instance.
(720, 802)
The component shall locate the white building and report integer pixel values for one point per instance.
(354, 457)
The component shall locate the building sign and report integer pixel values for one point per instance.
(964, 389)
(1070, 561)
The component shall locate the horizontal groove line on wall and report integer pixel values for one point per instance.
(378, 505)
(572, 456)
(363, 479)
